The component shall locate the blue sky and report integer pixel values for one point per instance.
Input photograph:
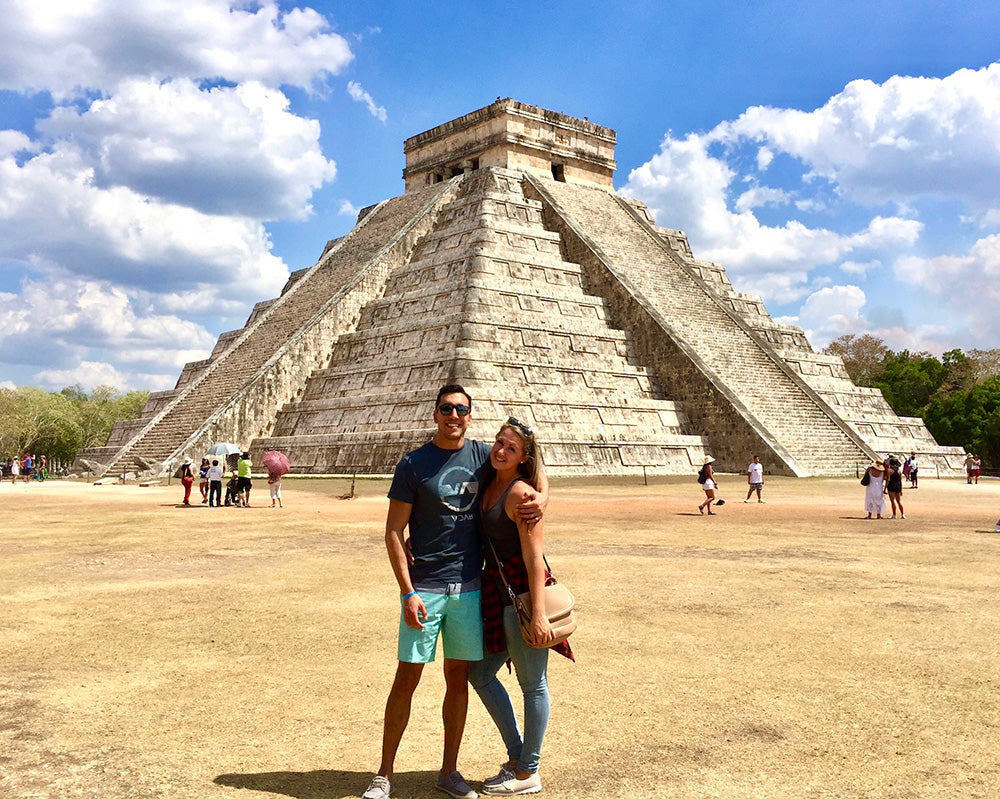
(165, 165)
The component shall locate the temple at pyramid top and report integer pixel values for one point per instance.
(512, 135)
(510, 265)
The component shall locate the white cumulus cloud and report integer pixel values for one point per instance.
(359, 95)
(135, 210)
(880, 162)
(65, 46)
(223, 150)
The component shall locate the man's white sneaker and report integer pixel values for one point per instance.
(504, 775)
(379, 789)
(516, 787)
(455, 785)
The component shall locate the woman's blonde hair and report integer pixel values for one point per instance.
(533, 452)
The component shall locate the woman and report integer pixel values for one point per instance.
(187, 480)
(707, 479)
(516, 458)
(15, 469)
(203, 480)
(874, 501)
(274, 483)
(244, 484)
(894, 488)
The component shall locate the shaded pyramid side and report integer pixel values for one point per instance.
(487, 301)
(735, 388)
(861, 407)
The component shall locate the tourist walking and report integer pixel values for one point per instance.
(203, 480)
(894, 488)
(707, 479)
(434, 492)
(274, 483)
(187, 480)
(755, 479)
(874, 489)
(516, 548)
(243, 467)
(215, 484)
(15, 469)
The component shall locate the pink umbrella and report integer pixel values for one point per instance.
(276, 462)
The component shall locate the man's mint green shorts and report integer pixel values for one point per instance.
(457, 618)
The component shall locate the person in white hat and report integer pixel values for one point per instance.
(187, 480)
(707, 479)
(875, 490)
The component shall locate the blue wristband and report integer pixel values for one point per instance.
(412, 593)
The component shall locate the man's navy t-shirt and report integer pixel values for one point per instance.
(443, 487)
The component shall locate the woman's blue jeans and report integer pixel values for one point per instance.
(529, 665)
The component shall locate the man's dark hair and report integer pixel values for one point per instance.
(452, 388)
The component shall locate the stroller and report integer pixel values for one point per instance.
(231, 491)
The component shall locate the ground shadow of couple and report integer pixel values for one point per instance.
(329, 784)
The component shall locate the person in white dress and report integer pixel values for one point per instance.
(875, 490)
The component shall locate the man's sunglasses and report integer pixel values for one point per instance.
(445, 409)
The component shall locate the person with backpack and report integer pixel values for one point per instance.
(706, 477)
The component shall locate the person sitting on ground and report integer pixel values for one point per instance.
(232, 490)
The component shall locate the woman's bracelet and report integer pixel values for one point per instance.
(407, 596)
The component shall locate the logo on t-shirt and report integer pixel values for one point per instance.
(458, 488)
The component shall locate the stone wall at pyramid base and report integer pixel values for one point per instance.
(378, 453)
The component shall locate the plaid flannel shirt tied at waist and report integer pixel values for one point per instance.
(495, 599)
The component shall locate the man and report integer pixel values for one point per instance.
(755, 479)
(435, 492)
(244, 484)
(215, 484)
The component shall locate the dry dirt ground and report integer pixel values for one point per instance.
(790, 649)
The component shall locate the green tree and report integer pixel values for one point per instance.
(969, 418)
(909, 381)
(863, 356)
(62, 423)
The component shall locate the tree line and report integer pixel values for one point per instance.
(957, 395)
(60, 424)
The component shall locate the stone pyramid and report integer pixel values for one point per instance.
(511, 266)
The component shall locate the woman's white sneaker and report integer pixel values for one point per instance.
(515, 787)
(379, 789)
(504, 775)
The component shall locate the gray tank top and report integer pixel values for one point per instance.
(500, 529)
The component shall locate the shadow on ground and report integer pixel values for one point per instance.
(328, 784)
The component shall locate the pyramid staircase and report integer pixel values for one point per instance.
(486, 300)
